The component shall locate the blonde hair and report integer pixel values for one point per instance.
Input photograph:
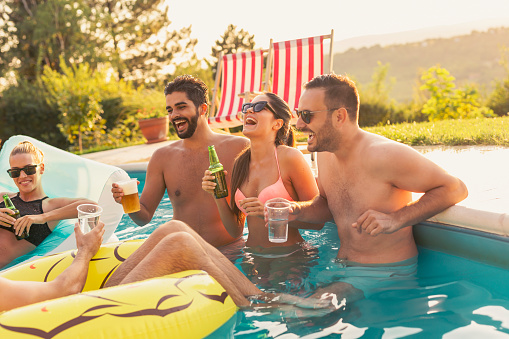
(26, 147)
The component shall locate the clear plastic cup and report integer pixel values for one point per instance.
(278, 210)
(88, 216)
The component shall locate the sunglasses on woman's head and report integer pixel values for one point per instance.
(16, 172)
(257, 107)
(306, 115)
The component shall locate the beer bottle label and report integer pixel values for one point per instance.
(221, 189)
(16, 215)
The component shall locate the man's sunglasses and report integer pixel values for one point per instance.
(28, 169)
(306, 115)
(257, 107)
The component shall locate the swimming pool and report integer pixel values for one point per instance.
(450, 296)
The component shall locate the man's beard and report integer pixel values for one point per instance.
(326, 139)
(192, 124)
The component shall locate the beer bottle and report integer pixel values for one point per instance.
(221, 190)
(10, 205)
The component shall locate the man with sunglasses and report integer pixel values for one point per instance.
(39, 214)
(366, 183)
(178, 167)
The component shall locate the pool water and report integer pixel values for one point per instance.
(449, 297)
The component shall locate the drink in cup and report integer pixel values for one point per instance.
(130, 200)
(88, 216)
(278, 210)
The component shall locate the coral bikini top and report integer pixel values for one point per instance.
(276, 190)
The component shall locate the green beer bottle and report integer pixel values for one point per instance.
(221, 190)
(10, 205)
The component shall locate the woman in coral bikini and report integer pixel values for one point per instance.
(269, 168)
(39, 214)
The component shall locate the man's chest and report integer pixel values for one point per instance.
(349, 191)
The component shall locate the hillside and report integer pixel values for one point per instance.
(472, 58)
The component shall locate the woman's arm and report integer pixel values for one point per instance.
(233, 226)
(55, 209)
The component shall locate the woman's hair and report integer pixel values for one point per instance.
(284, 136)
(26, 147)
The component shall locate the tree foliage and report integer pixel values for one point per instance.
(376, 107)
(138, 41)
(499, 98)
(76, 93)
(36, 33)
(132, 35)
(24, 110)
(448, 102)
(232, 41)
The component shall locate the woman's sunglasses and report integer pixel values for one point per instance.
(257, 107)
(28, 169)
(306, 115)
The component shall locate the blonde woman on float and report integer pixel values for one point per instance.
(39, 214)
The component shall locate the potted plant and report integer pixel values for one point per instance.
(154, 124)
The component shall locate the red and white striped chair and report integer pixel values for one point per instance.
(295, 62)
(241, 74)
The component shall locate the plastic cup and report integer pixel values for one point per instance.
(88, 216)
(130, 200)
(278, 210)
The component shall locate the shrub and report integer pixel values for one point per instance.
(24, 110)
(448, 102)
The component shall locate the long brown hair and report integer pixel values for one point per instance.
(284, 136)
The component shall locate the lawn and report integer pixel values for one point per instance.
(494, 131)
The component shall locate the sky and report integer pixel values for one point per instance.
(286, 20)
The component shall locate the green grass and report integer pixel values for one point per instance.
(488, 131)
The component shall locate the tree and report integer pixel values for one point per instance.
(133, 36)
(76, 93)
(139, 41)
(232, 41)
(36, 33)
(193, 66)
(499, 98)
(24, 110)
(376, 107)
(447, 102)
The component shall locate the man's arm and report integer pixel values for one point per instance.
(314, 212)
(20, 293)
(407, 170)
(152, 193)
(306, 187)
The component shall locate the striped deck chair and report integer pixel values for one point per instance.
(295, 62)
(241, 74)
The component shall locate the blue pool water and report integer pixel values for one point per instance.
(450, 297)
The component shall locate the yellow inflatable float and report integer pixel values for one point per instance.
(188, 304)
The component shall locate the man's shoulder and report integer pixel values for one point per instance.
(231, 140)
(172, 147)
(382, 153)
(376, 144)
(162, 155)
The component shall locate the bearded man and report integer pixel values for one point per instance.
(178, 168)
